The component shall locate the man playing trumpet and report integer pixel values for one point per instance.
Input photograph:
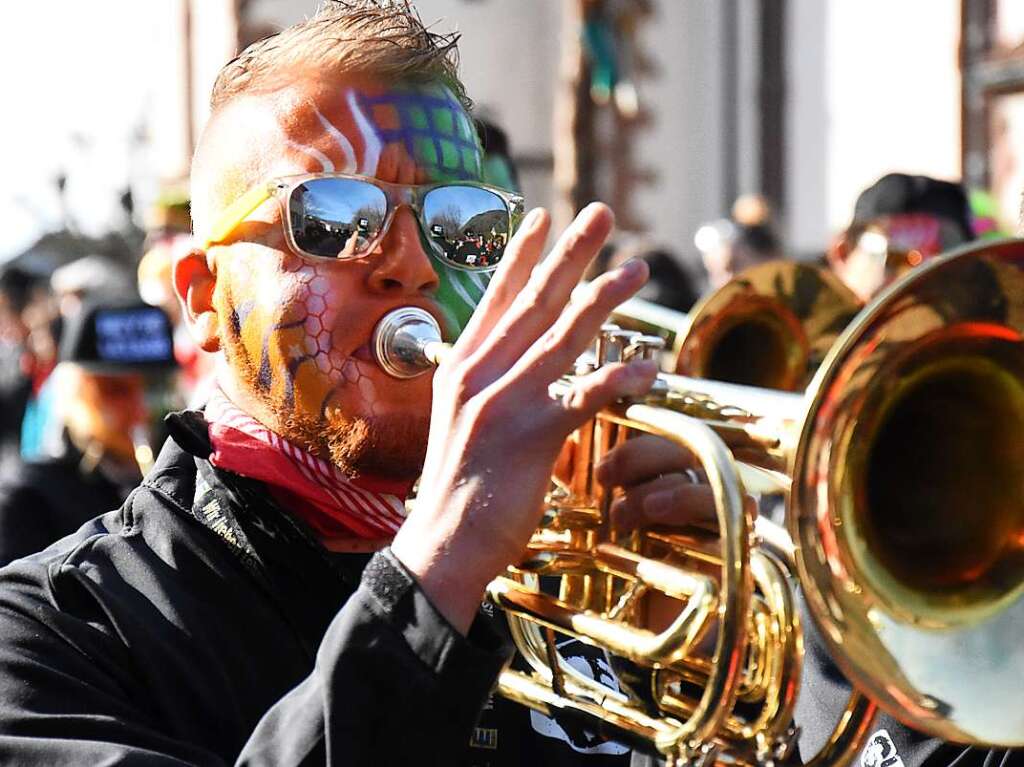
(262, 598)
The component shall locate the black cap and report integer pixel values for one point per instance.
(111, 338)
(897, 193)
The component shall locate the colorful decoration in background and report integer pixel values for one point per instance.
(609, 30)
(985, 215)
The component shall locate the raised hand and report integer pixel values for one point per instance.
(495, 431)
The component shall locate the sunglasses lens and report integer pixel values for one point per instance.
(336, 217)
(467, 225)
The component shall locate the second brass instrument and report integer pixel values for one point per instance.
(770, 326)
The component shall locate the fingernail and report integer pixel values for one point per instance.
(632, 267)
(641, 374)
(532, 218)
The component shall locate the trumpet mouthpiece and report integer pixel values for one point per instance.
(407, 342)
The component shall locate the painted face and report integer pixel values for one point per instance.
(892, 246)
(296, 330)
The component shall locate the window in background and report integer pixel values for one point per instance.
(992, 64)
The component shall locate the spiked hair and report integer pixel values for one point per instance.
(385, 39)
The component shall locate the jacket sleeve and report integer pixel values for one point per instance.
(392, 680)
(394, 683)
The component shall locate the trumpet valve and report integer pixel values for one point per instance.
(642, 347)
(612, 342)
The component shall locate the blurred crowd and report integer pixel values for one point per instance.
(92, 356)
(93, 353)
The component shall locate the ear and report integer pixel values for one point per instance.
(195, 277)
(838, 251)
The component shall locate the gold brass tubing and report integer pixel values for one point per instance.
(636, 644)
(527, 691)
(735, 587)
(666, 578)
(849, 736)
(783, 657)
(773, 672)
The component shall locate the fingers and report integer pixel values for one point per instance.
(555, 351)
(592, 392)
(543, 299)
(642, 459)
(671, 500)
(512, 274)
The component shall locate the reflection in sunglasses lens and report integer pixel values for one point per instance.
(468, 226)
(336, 217)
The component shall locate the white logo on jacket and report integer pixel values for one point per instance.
(592, 663)
(880, 752)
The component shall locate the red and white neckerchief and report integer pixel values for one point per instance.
(337, 507)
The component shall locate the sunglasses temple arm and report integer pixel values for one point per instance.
(236, 212)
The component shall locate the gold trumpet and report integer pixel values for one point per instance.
(914, 574)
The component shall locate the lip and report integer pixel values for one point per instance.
(363, 353)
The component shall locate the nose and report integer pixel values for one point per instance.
(404, 267)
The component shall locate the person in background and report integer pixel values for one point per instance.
(899, 222)
(85, 279)
(499, 169)
(109, 385)
(19, 290)
(730, 245)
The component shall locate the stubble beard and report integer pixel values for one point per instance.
(391, 446)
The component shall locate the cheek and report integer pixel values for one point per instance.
(458, 295)
(309, 346)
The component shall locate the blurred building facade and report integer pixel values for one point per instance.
(808, 101)
(864, 88)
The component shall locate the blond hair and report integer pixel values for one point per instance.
(385, 39)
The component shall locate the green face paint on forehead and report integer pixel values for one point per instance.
(426, 123)
(432, 126)
(436, 131)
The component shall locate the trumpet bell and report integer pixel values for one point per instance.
(769, 327)
(912, 555)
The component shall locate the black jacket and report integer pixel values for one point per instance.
(45, 499)
(201, 625)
